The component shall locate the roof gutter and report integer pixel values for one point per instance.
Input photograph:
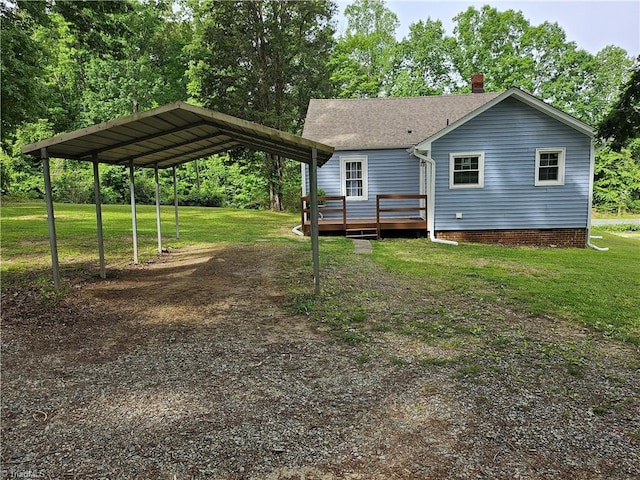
(431, 197)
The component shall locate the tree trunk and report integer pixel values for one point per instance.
(275, 169)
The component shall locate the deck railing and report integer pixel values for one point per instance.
(324, 208)
(305, 207)
(400, 209)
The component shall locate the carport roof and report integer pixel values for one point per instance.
(173, 134)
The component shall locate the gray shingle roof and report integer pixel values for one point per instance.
(384, 122)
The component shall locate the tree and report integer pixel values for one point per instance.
(425, 65)
(25, 172)
(61, 74)
(622, 123)
(21, 93)
(146, 72)
(362, 63)
(617, 167)
(263, 61)
(98, 25)
(492, 43)
(509, 51)
(611, 66)
(74, 35)
(617, 178)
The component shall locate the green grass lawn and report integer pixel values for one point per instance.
(596, 288)
(599, 289)
(25, 235)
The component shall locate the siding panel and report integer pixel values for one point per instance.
(509, 134)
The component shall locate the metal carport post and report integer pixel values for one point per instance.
(53, 240)
(98, 199)
(175, 201)
(158, 223)
(134, 219)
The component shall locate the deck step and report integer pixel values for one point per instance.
(362, 233)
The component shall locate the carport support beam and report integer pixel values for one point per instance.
(98, 199)
(134, 221)
(53, 240)
(175, 200)
(313, 183)
(159, 227)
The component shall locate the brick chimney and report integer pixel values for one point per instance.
(477, 83)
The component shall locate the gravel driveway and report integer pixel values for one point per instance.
(195, 368)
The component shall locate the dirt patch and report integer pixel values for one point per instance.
(194, 367)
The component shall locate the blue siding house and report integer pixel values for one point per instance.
(483, 167)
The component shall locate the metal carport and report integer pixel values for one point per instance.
(165, 137)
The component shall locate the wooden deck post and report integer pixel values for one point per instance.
(378, 216)
(344, 213)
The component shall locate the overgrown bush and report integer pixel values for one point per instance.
(203, 199)
(71, 184)
(6, 174)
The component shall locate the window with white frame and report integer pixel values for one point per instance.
(549, 166)
(466, 170)
(353, 177)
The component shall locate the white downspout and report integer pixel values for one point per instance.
(591, 174)
(431, 199)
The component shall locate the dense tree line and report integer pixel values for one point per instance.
(66, 65)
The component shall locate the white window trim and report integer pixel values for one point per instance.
(365, 176)
(561, 162)
(453, 156)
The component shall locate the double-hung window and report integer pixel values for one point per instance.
(549, 166)
(353, 176)
(466, 170)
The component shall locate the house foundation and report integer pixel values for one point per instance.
(560, 237)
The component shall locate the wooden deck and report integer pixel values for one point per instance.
(371, 227)
(336, 225)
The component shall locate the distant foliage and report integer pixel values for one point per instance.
(617, 179)
(69, 64)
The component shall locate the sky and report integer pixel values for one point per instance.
(592, 25)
